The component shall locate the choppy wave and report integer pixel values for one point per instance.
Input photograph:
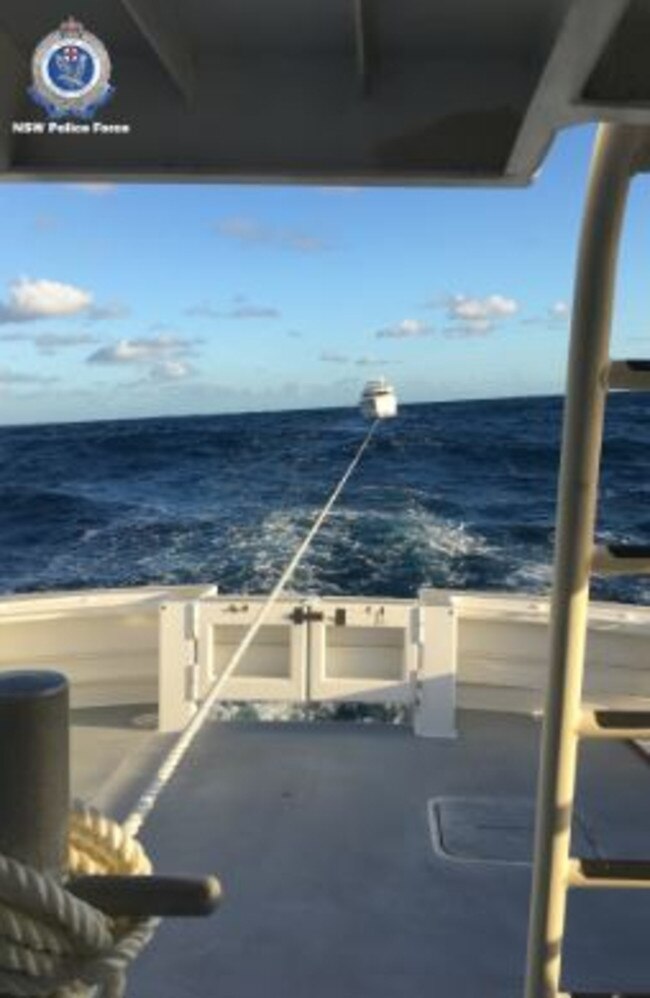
(458, 495)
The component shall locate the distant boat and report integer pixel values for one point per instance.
(378, 400)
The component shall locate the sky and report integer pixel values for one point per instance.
(121, 301)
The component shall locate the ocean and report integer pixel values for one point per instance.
(459, 495)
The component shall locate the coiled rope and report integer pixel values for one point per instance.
(51, 942)
(54, 944)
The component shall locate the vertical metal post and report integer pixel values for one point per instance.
(612, 165)
(34, 769)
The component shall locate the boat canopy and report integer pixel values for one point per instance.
(330, 91)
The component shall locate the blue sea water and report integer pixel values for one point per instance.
(457, 495)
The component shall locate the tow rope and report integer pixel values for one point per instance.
(147, 801)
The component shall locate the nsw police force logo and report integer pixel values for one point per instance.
(71, 73)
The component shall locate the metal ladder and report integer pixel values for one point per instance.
(619, 153)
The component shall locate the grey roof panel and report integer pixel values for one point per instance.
(363, 91)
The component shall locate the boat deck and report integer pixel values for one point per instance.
(321, 836)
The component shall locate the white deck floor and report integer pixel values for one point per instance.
(320, 836)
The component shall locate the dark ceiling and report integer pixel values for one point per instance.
(363, 91)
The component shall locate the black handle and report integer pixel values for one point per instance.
(148, 896)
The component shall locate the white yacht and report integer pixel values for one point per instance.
(356, 860)
(378, 400)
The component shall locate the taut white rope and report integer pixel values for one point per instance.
(148, 799)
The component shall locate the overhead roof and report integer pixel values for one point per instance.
(334, 91)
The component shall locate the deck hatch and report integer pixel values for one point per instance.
(494, 830)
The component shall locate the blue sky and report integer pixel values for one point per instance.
(136, 300)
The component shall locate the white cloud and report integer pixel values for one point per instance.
(406, 329)
(42, 299)
(122, 352)
(142, 351)
(252, 232)
(474, 316)
(492, 307)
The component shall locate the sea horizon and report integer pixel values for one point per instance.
(259, 412)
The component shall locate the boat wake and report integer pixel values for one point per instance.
(458, 495)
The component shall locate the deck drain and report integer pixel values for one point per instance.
(493, 830)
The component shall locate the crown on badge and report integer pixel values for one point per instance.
(71, 27)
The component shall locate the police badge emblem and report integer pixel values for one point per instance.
(71, 72)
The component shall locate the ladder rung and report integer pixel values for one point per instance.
(615, 724)
(631, 374)
(627, 873)
(621, 559)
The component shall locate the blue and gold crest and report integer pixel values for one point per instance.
(71, 72)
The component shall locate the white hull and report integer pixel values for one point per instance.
(379, 407)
